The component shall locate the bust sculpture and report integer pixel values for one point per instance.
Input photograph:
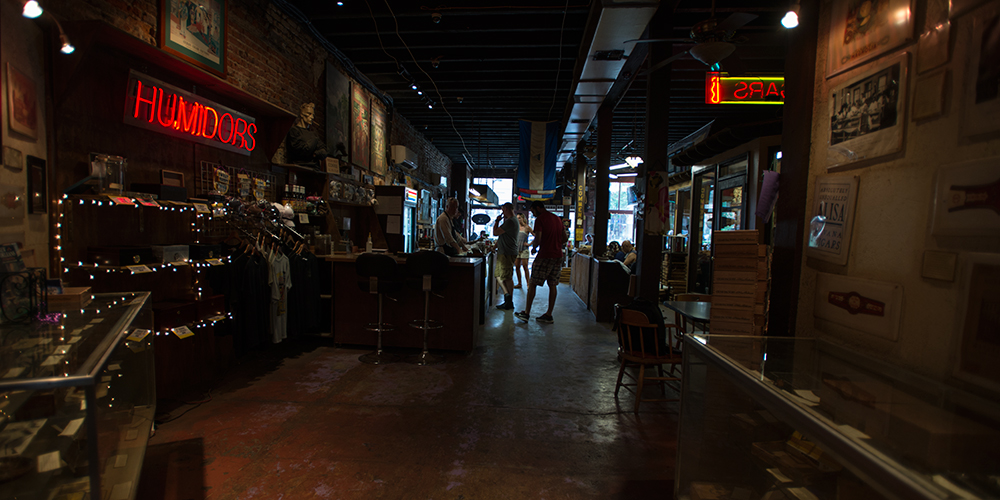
(304, 145)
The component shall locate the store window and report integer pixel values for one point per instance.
(504, 189)
(621, 208)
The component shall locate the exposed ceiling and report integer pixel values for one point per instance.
(486, 64)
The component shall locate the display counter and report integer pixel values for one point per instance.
(460, 310)
(798, 418)
(77, 401)
(600, 284)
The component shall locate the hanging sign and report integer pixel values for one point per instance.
(722, 89)
(244, 185)
(160, 107)
(258, 191)
(221, 181)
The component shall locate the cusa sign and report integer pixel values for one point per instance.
(721, 89)
(154, 105)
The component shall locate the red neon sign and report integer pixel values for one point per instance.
(161, 107)
(720, 89)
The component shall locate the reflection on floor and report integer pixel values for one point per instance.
(529, 414)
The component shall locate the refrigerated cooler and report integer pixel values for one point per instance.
(396, 211)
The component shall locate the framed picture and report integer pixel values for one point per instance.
(832, 218)
(37, 194)
(338, 112)
(171, 178)
(22, 103)
(981, 102)
(863, 29)
(963, 201)
(868, 112)
(979, 337)
(360, 127)
(195, 31)
(378, 160)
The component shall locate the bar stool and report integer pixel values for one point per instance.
(377, 274)
(427, 271)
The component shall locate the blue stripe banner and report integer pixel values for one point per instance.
(536, 168)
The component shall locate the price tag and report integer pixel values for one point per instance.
(179, 263)
(137, 335)
(182, 332)
(139, 269)
(202, 208)
(217, 318)
(215, 262)
(122, 200)
(147, 203)
(303, 218)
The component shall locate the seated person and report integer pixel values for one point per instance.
(627, 255)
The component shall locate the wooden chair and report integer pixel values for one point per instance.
(682, 323)
(640, 346)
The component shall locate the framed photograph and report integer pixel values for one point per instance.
(979, 335)
(863, 29)
(832, 218)
(868, 112)
(195, 31)
(964, 203)
(37, 194)
(22, 103)
(338, 112)
(360, 127)
(981, 102)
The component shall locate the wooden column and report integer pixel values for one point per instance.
(789, 225)
(603, 195)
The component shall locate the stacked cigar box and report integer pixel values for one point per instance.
(739, 283)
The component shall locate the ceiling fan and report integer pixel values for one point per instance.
(715, 42)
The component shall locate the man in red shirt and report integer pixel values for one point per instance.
(550, 236)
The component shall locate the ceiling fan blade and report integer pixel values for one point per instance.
(733, 65)
(735, 21)
(666, 61)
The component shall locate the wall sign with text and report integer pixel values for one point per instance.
(832, 218)
(161, 107)
(722, 89)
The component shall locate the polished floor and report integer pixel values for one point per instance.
(529, 414)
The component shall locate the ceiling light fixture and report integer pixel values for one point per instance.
(414, 86)
(67, 48)
(340, 4)
(31, 9)
(633, 161)
(791, 18)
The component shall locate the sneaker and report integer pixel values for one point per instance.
(506, 306)
(517, 287)
(545, 318)
(522, 315)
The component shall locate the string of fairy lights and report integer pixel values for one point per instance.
(93, 269)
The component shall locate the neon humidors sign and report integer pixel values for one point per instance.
(721, 89)
(160, 107)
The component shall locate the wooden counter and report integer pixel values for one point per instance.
(460, 310)
(600, 284)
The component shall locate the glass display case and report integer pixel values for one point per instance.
(77, 400)
(785, 418)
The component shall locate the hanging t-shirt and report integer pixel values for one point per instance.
(280, 280)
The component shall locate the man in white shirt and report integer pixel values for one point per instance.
(444, 239)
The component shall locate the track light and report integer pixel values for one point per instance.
(414, 86)
(791, 18)
(67, 48)
(420, 92)
(31, 9)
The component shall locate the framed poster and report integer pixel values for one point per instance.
(863, 29)
(338, 112)
(832, 218)
(360, 127)
(868, 112)
(379, 165)
(979, 323)
(195, 31)
(37, 194)
(981, 102)
(965, 203)
(22, 103)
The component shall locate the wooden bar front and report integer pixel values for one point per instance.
(459, 310)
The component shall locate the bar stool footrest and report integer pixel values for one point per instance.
(374, 327)
(431, 324)
(378, 358)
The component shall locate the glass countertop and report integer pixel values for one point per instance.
(68, 345)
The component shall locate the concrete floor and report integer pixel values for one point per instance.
(529, 414)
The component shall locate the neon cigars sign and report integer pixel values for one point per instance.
(722, 89)
(161, 107)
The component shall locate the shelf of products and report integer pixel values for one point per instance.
(785, 418)
(77, 401)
